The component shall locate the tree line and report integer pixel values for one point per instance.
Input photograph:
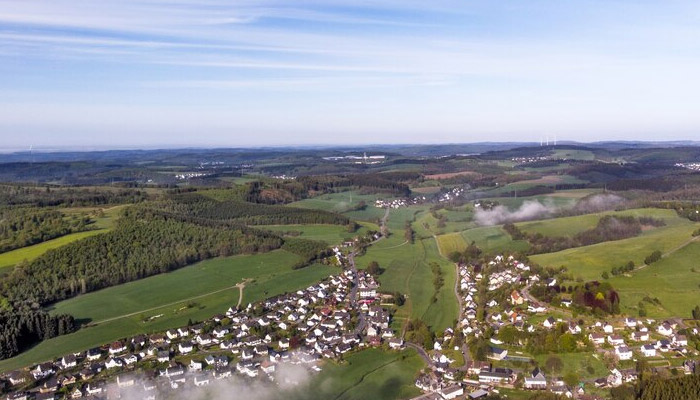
(48, 196)
(608, 228)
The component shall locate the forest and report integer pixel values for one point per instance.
(143, 244)
(25, 226)
(48, 196)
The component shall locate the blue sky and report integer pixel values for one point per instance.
(167, 73)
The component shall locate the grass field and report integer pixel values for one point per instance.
(577, 363)
(407, 270)
(589, 262)
(570, 226)
(331, 234)
(368, 374)
(674, 280)
(102, 224)
(123, 306)
(490, 239)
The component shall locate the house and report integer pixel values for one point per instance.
(596, 338)
(574, 328)
(623, 352)
(94, 354)
(114, 362)
(395, 344)
(616, 340)
(665, 329)
(498, 354)
(195, 365)
(452, 392)
(630, 322)
(640, 336)
(549, 323)
(116, 348)
(566, 303)
(680, 340)
(16, 377)
(496, 375)
(648, 350)
(185, 347)
(607, 328)
(69, 361)
(515, 298)
(536, 380)
(163, 356)
(18, 396)
(125, 381)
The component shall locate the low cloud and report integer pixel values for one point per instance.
(533, 209)
(530, 209)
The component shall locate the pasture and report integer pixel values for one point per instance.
(331, 234)
(490, 239)
(589, 262)
(674, 280)
(368, 374)
(195, 292)
(407, 270)
(570, 226)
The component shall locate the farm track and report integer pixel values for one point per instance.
(240, 287)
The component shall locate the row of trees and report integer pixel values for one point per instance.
(608, 228)
(47, 196)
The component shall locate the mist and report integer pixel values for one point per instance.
(287, 381)
(533, 209)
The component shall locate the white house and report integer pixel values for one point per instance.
(648, 350)
(623, 352)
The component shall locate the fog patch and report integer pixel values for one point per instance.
(500, 214)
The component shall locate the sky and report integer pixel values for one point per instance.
(236, 73)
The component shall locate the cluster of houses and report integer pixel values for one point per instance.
(525, 160)
(693, 166)
(452, 194)
(398, 203)
(190, 175)
(301, 328)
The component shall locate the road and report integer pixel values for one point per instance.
(361, 323)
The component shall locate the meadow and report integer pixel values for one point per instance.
(589, 262)
(490, 239)
(407, 270)
(674, 280)
(102, 224)
(331, 234)
(170, 300)
(368, 374)
(570, 226)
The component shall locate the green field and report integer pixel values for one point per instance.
(172, 296)
(674, 280)
(102, 224)
(589, 262)
(368, 374)
(577, 363)
(570, 226)
(490, 239)
(331, 234)
(11, 258)
(407, 270)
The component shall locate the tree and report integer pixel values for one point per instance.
(571, 379)
(373, 268)
(696, 313)
(605, 275)
(554, 364)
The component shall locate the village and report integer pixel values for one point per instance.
(620, 341)
(324, 321)
(342, 314)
